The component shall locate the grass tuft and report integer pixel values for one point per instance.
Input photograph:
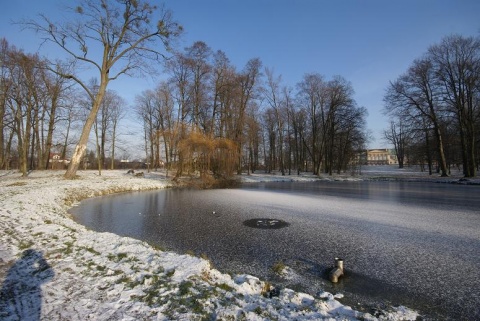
(279, 267)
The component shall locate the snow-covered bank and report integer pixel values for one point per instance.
(373, 172)
(53, 266)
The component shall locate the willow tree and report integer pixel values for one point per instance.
(208, 156)
(125, 35)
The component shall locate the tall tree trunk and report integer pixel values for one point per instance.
(463, 142)
(22, 154)
(32, 147)
(2, 137)
(157, 149)
(112, 161)
(8, 151)
(82, 143)
(51, 127)
(98, 150)
(65, 143)
(37, 143)
(23, 138)
(428, 152)
(441, 152)
(103, 139)
(471, 148)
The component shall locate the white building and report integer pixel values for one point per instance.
(381, 157)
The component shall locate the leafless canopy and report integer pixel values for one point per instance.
(116, 37)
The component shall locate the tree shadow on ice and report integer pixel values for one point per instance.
(21, 293)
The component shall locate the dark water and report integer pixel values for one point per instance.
(413, 244)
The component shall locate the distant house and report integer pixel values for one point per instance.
(381, 157)
(135, 164)
(56, 162)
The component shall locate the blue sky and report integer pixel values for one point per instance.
(369, 42)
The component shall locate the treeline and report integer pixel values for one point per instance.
(209, 118)
(212, 119)
(435, 108)
(30, 97)
(41, 114)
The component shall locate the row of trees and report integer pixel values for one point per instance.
(29, 111)
(435, 107)
(41, 113)
(211, 118)
(208, 117)
(127, 34)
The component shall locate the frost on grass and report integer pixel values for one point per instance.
(54, 269)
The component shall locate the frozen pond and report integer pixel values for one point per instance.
(413, 244)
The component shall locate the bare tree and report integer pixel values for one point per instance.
(457, 63)
(415, 95)
(330, 124)
(110, 113)
(223, 75)
(23, 101)
(198, 61)
(288, 108)
(5, 84)
(145, 109)
(340, 105)
(55, 87)
(253, 132)
(397, 135)
(247, 82)
(128, 40)
(69, 118)
(270, 139)
(350, 136)
(168, 130)
(298, 120)
(117, 114)
(272, 94)
(312, 99)
(180, 79)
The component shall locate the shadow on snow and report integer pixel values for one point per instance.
(21, 293)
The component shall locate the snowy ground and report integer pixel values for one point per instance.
(52, 268)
